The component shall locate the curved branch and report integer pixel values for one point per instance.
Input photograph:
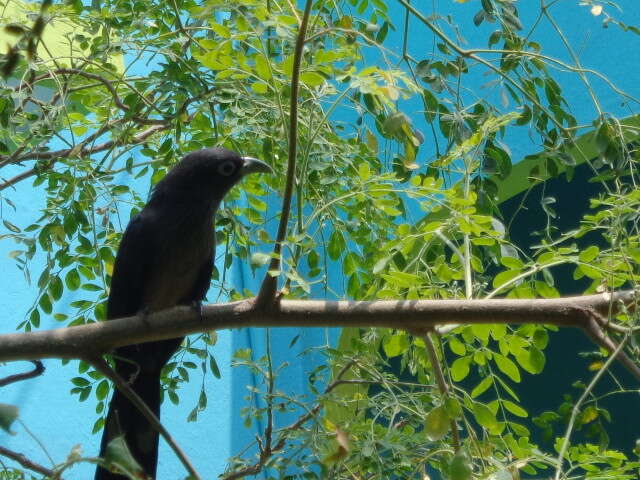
(38, 370)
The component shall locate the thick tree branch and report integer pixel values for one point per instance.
(414, 315)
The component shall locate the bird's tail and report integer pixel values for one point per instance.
(125, 419)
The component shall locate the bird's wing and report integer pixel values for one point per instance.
(131, 268)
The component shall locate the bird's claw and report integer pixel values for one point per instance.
(144, 315)
(197, 306)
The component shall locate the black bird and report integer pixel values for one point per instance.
(165, 259)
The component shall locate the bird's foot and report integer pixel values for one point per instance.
(144, 315)
(196, 305)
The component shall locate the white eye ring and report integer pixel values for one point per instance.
(226, 169)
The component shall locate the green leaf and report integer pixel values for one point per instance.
(364, 171)
(102, 390)
(10, 226)
(541, 338)
(453, 407)
(589, 254)
(507, 367)
(515, 409)
(312, 79)
(80, 381)
(589, 271)
(460, 368)
(260, 87)
(457, 346)
(504, 277)
(117, 454)
(437, 423)
(402, 279)
(55, 287)
(532, 360)
(350, 263)
(512, 263)
(336, 246)
(484, 416)
(45, 304)
(72, 280)
(262, 67)
(213, 366)
(173, 397)
(202, 400)
(381, 265)
(222, 30)
(8, 413)
(481, 387)
(396, 344)
(460, 467)
(482, 332)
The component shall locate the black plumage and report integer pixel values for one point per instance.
(165, 259)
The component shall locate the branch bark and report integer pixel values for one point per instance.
(25, 462)
(415, 315)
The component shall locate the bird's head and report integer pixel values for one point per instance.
(209, 172)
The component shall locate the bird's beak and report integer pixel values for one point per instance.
(253, 165)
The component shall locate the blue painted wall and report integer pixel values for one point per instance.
(60, 422)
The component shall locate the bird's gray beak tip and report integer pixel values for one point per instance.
(253, 165)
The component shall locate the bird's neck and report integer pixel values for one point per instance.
(185, 207)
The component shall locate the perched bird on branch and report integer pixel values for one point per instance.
(165, 259)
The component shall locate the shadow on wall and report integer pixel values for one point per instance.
(565, 364)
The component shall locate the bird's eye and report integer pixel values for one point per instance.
(226, 168)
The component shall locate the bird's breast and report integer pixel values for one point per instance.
(182, 256)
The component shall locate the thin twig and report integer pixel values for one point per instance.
(103, 367)
(25, 462)
(93, 76)
(264, 454)
(442, 383)
(594, 328)
(270, 283)
(583, 397)
(467, 54)
(38, 370)
(80, 150)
